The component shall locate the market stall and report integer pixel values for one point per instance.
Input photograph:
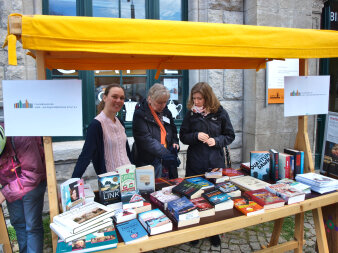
(88, 43)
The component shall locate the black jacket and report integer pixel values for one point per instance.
(147, 135)
(93, 150)
(200, 156)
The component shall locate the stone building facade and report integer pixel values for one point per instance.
(241, 92)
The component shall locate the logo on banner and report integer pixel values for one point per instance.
(23, 105)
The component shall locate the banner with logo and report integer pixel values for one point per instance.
(306, 95)
(42, 107)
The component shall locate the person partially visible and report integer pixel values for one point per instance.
(23, 180)
(106, 144)
(207, 129)
(155, 133)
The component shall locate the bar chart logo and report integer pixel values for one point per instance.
(23, 105)
(295, 93)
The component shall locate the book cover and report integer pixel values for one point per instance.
(287, 193)
(182, 209)
(190, 190)
(265, 198)
(284, 166)
(145, 207)
(229, 188)
(249, 183)
(214, 173)
(155, 221)
(232, 173)
(260, 164)
(245, 166)
(89, 193)
(297, 160)
(219, 180)
(100, 240)
(274, 165)
(80, 218)
(132, 231)
(204, 208)
(301, 162)
(314, 179)
(131, 199)
(201, 181)
(248, 207)
(127, 178)
(162, 198)
(72, 194)
(145, 179)
(296, 185)
(216, 197)
(122, 215)
(109, 188)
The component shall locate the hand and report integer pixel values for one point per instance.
(211, 142)
(203, 137)
(175, 145)
(2, 198)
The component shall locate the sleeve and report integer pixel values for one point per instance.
(186, 135)
(227, 132)
(90, 146)
(174, 129)
(142, 136)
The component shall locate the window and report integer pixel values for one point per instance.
(135, 82)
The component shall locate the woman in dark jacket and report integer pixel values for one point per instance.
(154, 130)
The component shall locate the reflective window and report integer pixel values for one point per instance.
(170, 10)
(119, 8)
(62, 7)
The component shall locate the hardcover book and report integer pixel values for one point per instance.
(145, 179)
(72, 194)
(100, 240)
(162, 198)
(248, 207)
(109, 188)
(274, 165)
(220, 200)
(127, 178)
(284, 165)
(204, 208)
(260, 165)
(249, 183)
(232, 173)
(265, 198)
(297, 160)
(245, 166)
(229, 188)
(190, 190)
(287, 193)
(122, 215)
(201, 181)
(214, 173)
(131, 199)
(155, 221)
(80, 218)
(132, 231)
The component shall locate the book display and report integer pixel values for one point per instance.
(229, 188)
(71, 194)
(249, 183)
(220, 200)
(202, 182)
(109, 188)
(204, 208)
(260, 164)
(188, 189)
(287, 193)
(145, 179)
(248, 207)
(122, 215)
(132, 231)
(318, 183)
(155, 221)
(183, 211)
(265, 198)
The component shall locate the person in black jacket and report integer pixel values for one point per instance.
(207, 129)
(155, 132)
(106, 144)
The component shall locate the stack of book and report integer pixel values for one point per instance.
(290, 195)
(183, 212)
(265, 198)
(318, 183)
(188, 189)
(296, 185)
(220, 200)
(155, 221)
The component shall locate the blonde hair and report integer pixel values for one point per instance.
(211, 103)
(158, 91)
(101, 105)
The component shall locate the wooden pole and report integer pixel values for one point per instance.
(4, 239)
(302, 139)
(50, 167)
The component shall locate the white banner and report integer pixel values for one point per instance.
(42, 107)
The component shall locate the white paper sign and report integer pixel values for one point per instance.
(42, 107)
(277, 69)
(306, 95)
(172, 86)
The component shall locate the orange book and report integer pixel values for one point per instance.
(248, 207)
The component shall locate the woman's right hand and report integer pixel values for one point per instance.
(203, 137)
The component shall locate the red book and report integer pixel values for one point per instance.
(265, 198)
(203, 206)
(230, 172)
(248, 207)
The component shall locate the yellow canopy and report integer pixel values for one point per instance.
(107, 43)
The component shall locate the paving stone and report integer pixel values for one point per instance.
(234, 248)
(307, 225)
(310, 243)
(253, 238)
(205, 247)
(234, 241)
(194, 250)
(226, 251)
(224, 245)
(213, 248)
(184, 247)
(243, 241)
(245, 248)
(255, 245)
(252, 232)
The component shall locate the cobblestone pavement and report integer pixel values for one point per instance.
(250, 239)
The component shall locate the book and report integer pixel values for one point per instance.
(232, 173)
(248, 207)
(67, 236)
(297, 160)
(80, 218)
(301, 162)
(162, 198)
(145, 207)
(260, 164)
(287, 193)
(317, 182)
(145, 179)
(89, 193)
(265, 198)
(127, 178)
(155, 221)
(131, 199)
(201, 181)
(284, 165)
(296, 185)
(204, 208)
(132, 231)
(100, 240)
(214, 173)
(249, 183)
(274, 165)
(109, 188)
(220, 200)
(183, 212)
(190, 190)
(219, 180)
(229, 188)
(245, 166)
(71, 194)
(122, 215)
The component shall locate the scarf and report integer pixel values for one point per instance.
(200, 110)
(159, 123)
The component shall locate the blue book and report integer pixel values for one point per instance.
(102, 239)
(301, 162)
(216, 197)
(260, 165)
(201, 181)
(181, 208)
(132, 231)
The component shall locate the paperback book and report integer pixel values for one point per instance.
(274, 165)
(145, 179)
(284, 191)
(155, 221)
(183, 212)
(109, 188)
(100, 240)
(318, 183)
(190, 190)
(214, 173)
(204, 208)
(201, 181)
(260, 165)
(232, 173)
(131, 199)
(132, 231)
(220, 200)
(296, 185)
(162, 198)
(265, 198)
(72, 194)
(145, 207)
(127, 178)
(229, 188)
(122, 215)
(248, 207)
(249, 183)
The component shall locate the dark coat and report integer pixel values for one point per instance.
(147, 135)
(200, 156)
(93, 151)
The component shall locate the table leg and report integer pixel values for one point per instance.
(4, 239)
(277, 228)
(299, 231)
(320, 230)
